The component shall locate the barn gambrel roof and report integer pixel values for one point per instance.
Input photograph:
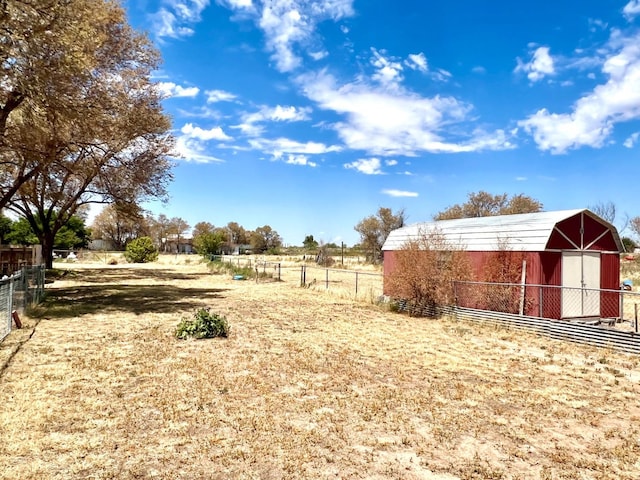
(529, 232)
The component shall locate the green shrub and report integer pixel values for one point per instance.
(141, 250)
(204, 324)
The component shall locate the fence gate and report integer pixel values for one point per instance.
(581, 281)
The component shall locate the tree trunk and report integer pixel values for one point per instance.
(47, 250)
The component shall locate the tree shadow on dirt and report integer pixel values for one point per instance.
(124, 274)
(113, 295)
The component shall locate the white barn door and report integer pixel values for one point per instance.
(580, 274)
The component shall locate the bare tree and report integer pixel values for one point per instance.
(608, 211)
(119, 225)
(483, 204)
(605, 210)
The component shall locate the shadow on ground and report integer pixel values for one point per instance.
(124, 274)
(113, 295)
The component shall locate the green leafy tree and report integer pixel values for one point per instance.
(21, 233)
(73, 235)
(141, 250)
(5, 228)
(209, 243)
(629, 244)
(375, 229)
(310, 243)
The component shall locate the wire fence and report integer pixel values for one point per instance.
(340, 281)
(343, 282)
(585, 305)
(18, 292)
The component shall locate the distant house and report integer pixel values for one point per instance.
(244, 249)
(177, 244)
(574, 249)
(101, 244)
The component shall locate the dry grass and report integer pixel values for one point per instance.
(307, 385)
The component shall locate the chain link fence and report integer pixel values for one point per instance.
(586, 305)
(18, 292)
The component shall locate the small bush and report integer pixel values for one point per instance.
(219, 267)
(204, 324)
(141, 250)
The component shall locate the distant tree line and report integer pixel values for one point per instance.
(119, 226)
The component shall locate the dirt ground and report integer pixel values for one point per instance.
(308, 385)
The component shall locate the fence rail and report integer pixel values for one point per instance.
(19, 291)
(348, 282)
(552, 302)
(598, 317)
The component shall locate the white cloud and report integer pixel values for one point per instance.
(319, 55)
(631, 9)
(479, 70)
(300, 160)
(290, 25)
(239, 4)
(170, 89)
(388, 122)
(214, 96)
(368, 167)
(592, 119)
(417, 62)
(250, 121)
(192, 150)
(215, 133)
(287, 114)
(521, 179)
(631, 140)
(540, 65)
(175, 19)
(388, 70)
(399, 193)
(390, 163)
(281, 146)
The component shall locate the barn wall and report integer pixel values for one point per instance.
(388, 266)
(543, 268)
(551, 263)
(609, 280)
(571, 227)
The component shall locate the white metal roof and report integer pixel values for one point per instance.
(524, 232)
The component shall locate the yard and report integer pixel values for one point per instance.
(308, 385)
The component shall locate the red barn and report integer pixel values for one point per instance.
(573, 249)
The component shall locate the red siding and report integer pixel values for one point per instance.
(388, 266)
(610, 280)
(551, 275)
(592, 230)
(545, 268)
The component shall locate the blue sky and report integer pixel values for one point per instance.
(310, 115)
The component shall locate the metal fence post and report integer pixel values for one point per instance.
(541, 302)
(356, 283)
(326, 278)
